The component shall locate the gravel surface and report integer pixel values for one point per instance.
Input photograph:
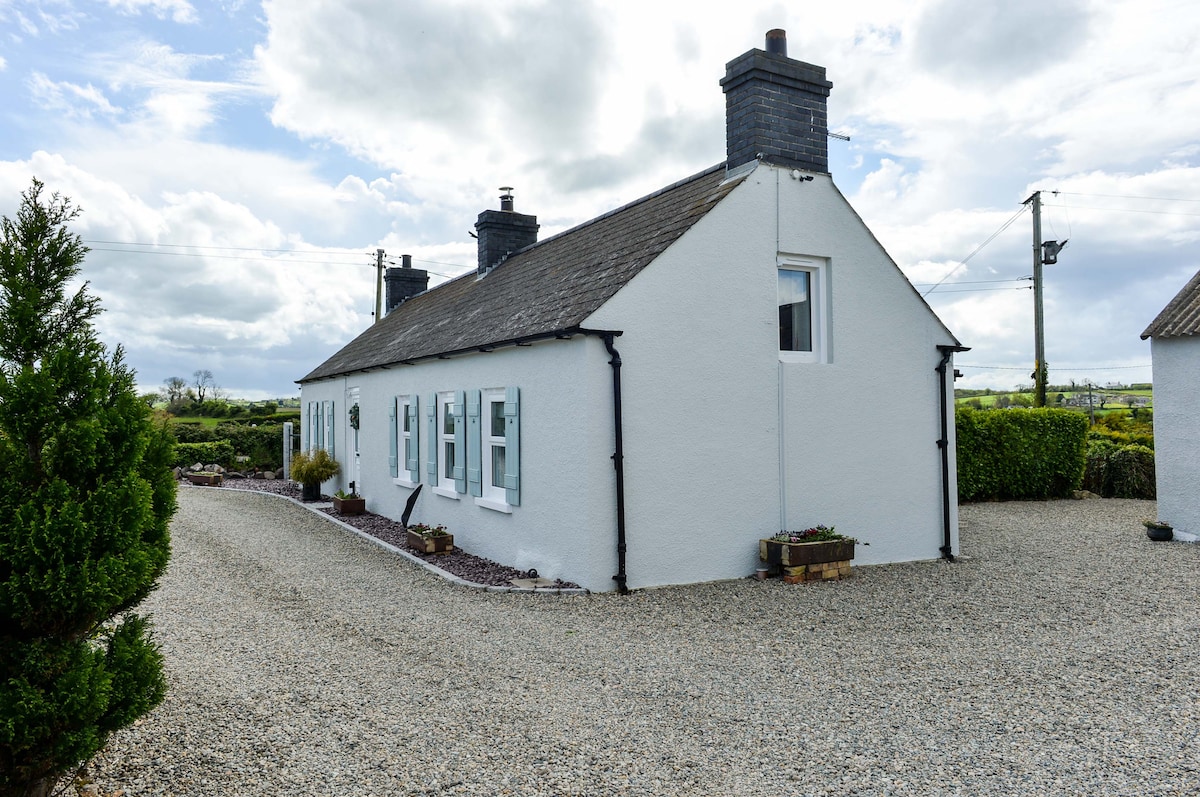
(471, 568)
(1060, 656)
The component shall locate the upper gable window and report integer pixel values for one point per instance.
(803, 327)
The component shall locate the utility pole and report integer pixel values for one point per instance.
(1039, 342)
(1044, 253)
(378, 284)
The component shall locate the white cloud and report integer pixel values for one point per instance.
(69, 98)
(178, 10)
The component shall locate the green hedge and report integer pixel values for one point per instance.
(1116, 471)
(219, 452)
(1019, 453)
(262, 444)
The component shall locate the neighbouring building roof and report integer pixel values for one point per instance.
(548, 287)
(1181, 316)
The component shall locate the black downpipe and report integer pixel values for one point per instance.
(944, 445)
(618, 459)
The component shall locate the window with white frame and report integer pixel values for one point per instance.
(404, 440)
(493, 444)
(803, 326)
(448, 454)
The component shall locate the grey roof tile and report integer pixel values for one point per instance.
(1181, 316)
(550, 286)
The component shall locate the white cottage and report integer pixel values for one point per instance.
(636, 401)
(1175, 351)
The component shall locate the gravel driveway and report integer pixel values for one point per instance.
(1061, 655)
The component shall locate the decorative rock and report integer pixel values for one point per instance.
(269, 474)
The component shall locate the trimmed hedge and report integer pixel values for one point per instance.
(215, 453)
(1019, 453)
(1116, 471)
(262, 444)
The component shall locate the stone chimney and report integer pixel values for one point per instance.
(775, 109)
(502, 232)
(404, 283)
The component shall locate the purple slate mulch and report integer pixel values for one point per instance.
(466, 566)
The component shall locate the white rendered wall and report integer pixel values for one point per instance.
(565, 526)
(1177, 430)
(704, 388)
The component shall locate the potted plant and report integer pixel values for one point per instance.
(816, 553)
(349, 503)
(204, 478)
(429, 539)
(310, 469)
(1158, 530)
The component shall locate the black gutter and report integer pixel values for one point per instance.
(944, 445)
(618, 456)
(556, 334)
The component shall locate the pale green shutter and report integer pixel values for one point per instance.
(329, 427)
(460, 442)
(474, 445)
(393, 433)
(432, 445)
(512, 445)
(310, 427)
(412, 462)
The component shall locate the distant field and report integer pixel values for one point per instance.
(1113, 400)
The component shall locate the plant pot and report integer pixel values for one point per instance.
(442, 544)
(795, 554)
(350, 506)
(310, 491)
(205, 479)
(1160, 533)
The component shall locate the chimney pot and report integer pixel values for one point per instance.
(506, 198)
(777, 42)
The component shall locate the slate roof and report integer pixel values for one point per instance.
(549, 287)
(1181, 316)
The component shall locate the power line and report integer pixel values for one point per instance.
(342, 252)
(1129, 196)
(977, 249)
(277, 260)
(1122, 210)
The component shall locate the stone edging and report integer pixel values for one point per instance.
(315, 508)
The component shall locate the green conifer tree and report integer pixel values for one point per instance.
(86, 496)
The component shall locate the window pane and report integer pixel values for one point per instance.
(795, 311)
(448, 419)
(497, 466)
(497, 418)
(404, 415)
(448, 466)
(407, 448)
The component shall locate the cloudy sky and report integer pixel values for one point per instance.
(238, 163)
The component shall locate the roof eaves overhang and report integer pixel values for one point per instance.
(565, 333)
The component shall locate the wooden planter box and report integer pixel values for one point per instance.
(442, 544)
(794, 554)
(350, 506)
(205, 479)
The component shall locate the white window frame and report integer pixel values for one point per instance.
(493, 497)
(818, 287)
(404, 437)
(445, 485)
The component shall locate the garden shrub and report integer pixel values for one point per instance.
(1117, 471)
(219, 452)
(1019, 453)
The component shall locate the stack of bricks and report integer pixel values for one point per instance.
(824, 571)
